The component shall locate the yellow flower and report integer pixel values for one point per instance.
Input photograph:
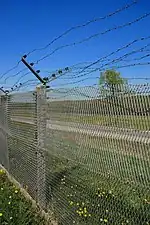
(2, 171)
(105, 220)
(1, 214)
(71, 202)
(77, 204)
(10, 197)
(89, 215)
(16, 191)
(9, 203)
(2, 189)
(10, 218)
(85, 210)
(85, 215)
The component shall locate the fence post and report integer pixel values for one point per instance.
(41, 136)
(4, 130)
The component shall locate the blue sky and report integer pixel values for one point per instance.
(26, 25)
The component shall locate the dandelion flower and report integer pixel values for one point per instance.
(85, 210)
(77, 204)
(2, 189)
(105, 220)
(71, 203)
(16, 191)
(85, 215)
(10, 196)
(101, 219)
(1, 214)
(9, 203)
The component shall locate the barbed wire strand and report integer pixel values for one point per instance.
(84, 25)
(14, 75)
(120, 59)
(116, 51)
(11, 69)
(24, 75)
(113, 61)
(123, 8)
(97, 69)
(93, 36)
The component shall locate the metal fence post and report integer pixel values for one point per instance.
(41, 136)
(4, 131)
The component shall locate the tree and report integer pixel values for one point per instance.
(111, 83)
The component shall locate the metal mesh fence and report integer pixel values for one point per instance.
(84, 154)
(98, 150)
(22, 139)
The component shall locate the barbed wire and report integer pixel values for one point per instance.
(93, 36)
(60, 73)
(123, 8)
(75, 76)
(98, 69)
(116, 51)
(11, 69)
(14, 75)
(20, 85)
(84, 25)
(24, 75)
(120, 59)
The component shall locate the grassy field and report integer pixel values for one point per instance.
(131, 122)
(89, 180)
(15, 209)
(98, 181)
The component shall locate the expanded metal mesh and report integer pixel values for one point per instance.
(83, 153)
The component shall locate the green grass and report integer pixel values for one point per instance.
(15, 209)
(109, 176)
(106, 176)
(131, 122)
